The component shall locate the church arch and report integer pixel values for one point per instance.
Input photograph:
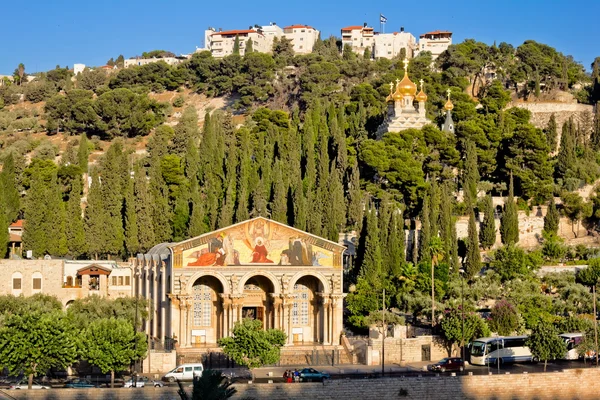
(192, 280)
(325, 284)
(274, 281)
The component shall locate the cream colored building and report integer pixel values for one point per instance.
(435, 42)
(221, 43)
(258, 269)
(406, 108)
(144, 61)
(66, 279)
(359, 38)
(303, 37)
(389, 45)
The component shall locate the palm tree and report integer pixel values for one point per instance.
(212, 385)
(436, 250)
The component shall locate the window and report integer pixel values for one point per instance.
(16, 283)
(300, 307)
(37, 283)
(114, 281)
(120, 281)
(188, 369)
(202, 308)
(127, 281)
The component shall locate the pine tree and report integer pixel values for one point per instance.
(83, 153)
(9, 189)
(4, 238)
(471, 173)
(473, 260)
(552, 218)
(132, 243)
(487, 234)
(143, 210)
(509, 224)
(94, 219)
(551, 133)
(567, 158)
(425, 238)
(74, 228)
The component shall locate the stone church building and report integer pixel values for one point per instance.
(259, 269)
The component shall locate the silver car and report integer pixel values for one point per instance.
(24, 385)
(142, 381)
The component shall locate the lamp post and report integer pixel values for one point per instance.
(137, 296)
(383, 335)
(462, 310)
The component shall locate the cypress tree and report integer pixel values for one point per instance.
(161, 212)
(185, 131)
(445, 219)
(236, 46)
(94, 219)
(473, 260)
(552, 218)
(83, 153)
(551, 132)
(434, 207)
(509, 224)
(487, 233)
(425, 238)
(181, 213)
(396, 248)
(300, 208)
(34, 227)
(198, 222)
(74, 229)
(567, 158)
(355, 198)
(371, 268)
(9, 189)
(69, 157)
(143, 210)
(335, 217)
(243, 176)
(453, 247)
(595, 135)
(249, 47)
(212, 171)
(114, 173)
(132, 243)
(54, 223)
(279, 198)
(4, 238)
(471, 173)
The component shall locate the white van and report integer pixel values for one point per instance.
(185, 372)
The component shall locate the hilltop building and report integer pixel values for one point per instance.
(258, 269)
(358, 37)
(143, 61)
(303, 37)
(435, 42)
(390, 45)
(402, 113)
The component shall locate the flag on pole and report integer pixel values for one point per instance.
(382, 18)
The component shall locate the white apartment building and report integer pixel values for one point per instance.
(358, 37)
(221, 43)
(436, 42)
(389, 45)
(303, 37)
(143, 61)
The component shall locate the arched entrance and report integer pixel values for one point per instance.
(258, 302)
(206, 311)
(306, 320)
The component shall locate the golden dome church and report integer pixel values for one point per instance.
(402, 113)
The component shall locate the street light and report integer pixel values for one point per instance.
(462, 307)
(383, 335)
(137, 296)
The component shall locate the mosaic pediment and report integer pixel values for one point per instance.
(257, 242)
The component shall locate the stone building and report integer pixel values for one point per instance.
(259, 269)
(435, 42)
(389, 45)
(402, 113)
(358, 37)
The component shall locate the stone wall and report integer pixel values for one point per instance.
(579, 384)
(400, 350)
(159, 362)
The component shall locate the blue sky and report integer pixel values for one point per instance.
(46, 33)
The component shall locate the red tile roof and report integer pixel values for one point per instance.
(298, 26)
(107, 67)
(234, 32)
(353, 28)
(17, 224)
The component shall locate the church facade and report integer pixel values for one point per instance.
(259, 269)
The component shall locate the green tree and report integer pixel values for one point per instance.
(211, 385)
(511, 262)
(471, 173)
(567, 157)
(9, 186)
(249, 47)
(74, 227)
(473, 258)
(3, 228)
(94, 219)
(545, 344)
(452, 327)
(551, 219)
(112, 344)
(33, 342)
(132, 243)
(487, 233)
(251, 345)
(504, 319)
(575, 209)
(114, 174)
(425, 237)
(551, 132)
(83, 153)
(236, 46)
(509, 223)
(143, 210)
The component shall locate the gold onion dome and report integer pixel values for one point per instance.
(421, 96)
(397, 96)
(407, 87)
(390, 96)
(449, 106)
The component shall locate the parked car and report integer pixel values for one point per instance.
(448, 364)
(24, 385)
(185, 372)
(78, 383)
(312, 375)
(142, 381)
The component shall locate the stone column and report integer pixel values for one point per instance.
(326, 320)
(163, 302)
(288, 304)
(188, 320)
(226, 317)
(146, 294)
(336, 322)
(156, 301)
(276, 311)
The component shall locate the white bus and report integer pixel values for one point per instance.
(502, 349)
(572, 340)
